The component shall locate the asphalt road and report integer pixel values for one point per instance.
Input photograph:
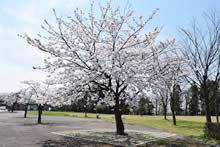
(16, 131)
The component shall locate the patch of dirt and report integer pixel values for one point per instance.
(177, 141)
(70, 142)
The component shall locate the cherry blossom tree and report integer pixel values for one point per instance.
(161, 91)
(37, 93)
(2, 96)
(27, 99)
(174, 80)
(11, 99)
(111, 54)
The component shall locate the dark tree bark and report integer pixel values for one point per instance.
(40, 109)
(172, 106)
(174, 118)
(186, 109)
(216, 110)
(205, 96)
(13, 107)
(174, 97)
(208, 113)
(156, 106)
(217, 90)
(216, 101)
(165, 103)
(25, 110)
(118, 119)
(165, 112)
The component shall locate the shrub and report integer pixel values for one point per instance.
(212, 130)
(103, 109)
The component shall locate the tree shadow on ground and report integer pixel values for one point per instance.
(35, 124)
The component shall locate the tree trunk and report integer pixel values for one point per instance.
(13, 107)
(159, 110)
(186, 109)
(25, 110)
(205, 94)
(207, 110)
(172, 107)
(85, 112)
(156, 107)
(165, 112)
(39, 113)
(216, 109)
(119, 122)
(174, 118)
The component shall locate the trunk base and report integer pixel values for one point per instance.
(119, 124)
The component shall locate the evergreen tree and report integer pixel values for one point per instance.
(145, 107)
(194, 102)
(176, 100)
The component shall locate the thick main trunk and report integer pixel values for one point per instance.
(217, 118)
(205, 95)
(85, 112)
(118, 120)
(174, 118)
(165, 115)
(172, 106)
(186, 110)
(13, 107)
(119, 123)
(216, 109)
(156, 107)
(207, 110)
(165, 112)
(39, 113)
(25, 110)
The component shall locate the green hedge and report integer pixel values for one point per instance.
(212, 130)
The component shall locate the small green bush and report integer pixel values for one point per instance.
(212, 130)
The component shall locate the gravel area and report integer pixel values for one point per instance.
(16, 131)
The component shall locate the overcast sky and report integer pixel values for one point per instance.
(19, 16)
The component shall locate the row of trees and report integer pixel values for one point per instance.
(187, 102)
(34, 93)
(144, 107)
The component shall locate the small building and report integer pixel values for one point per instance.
(32, 107)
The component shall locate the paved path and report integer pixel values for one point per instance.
(16, 131)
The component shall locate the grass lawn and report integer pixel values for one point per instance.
(191, 126)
